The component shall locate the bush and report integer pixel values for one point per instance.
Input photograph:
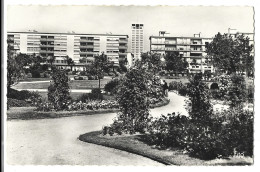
(58, 91)
(96, 94)
(36, 74)
(183, 91)
(16, 103)
(22, 95)
(133, 103)
(111, 86)
(226, 135)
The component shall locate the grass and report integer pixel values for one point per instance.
(74, 84)
(75, 95)
(28, 113)
(138, 144)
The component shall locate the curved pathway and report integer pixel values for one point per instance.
(176, 104)
(54, 141)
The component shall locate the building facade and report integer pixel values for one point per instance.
(191, 49)
(137, 46)
(82, 48)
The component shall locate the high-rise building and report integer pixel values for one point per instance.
(191, 49)
(76, 46)
(137, 40)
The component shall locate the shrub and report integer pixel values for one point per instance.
(58, 91)
(36, 74)
(199, 104)
(22, 95)
(225, 135)
(183, 90)
(237, 91)
(133, 104)
(16, 103)
(96, 94)
(111, 86)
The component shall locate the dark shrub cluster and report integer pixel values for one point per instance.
(21, 98)
(223, 136)
(95, 94)
(111, 86)
(21, 95)
(16, 103)
(178, 86)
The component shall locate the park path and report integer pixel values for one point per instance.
(176, 104)
(55, 141)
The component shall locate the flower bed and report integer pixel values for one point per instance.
(75, 106)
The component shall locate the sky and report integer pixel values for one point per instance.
(176, 20)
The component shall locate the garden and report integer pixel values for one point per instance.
(200, 138)
(205, 135)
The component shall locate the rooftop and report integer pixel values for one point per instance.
(35, 32)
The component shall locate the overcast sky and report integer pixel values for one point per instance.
(178, 21)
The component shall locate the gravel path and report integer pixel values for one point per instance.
(54, 141)
(177, 104)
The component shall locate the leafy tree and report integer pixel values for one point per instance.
(152, 61)
(58, 91)
(231, 54)
(175, 62)
(237, 91)
(70, 62)
(132, 99)
(50, 59)
(83, 60)
(98, 67)
(15, 65)
(199, 96)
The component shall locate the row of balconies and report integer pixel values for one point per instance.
(178, 43)
(179, 49)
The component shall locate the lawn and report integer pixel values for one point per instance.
(74, 84)
(76, 95)
(139, 145)
(29, 113)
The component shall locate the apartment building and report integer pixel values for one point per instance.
(191, 49)
(137, 46)
(76, 46)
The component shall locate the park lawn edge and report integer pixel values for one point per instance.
(134, 144)
(30, 115)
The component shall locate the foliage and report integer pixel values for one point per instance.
(15, 65)
(237, 91)
(111, 86)
(58, 91)
(16, 103)
(77, 106)
(228, 134)
(231, 54)
(133, 102)
(179, 86)
(70, 62)
(200, 107)
(21, 95)
(152, 61)
(98, 67)
(174, 62)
